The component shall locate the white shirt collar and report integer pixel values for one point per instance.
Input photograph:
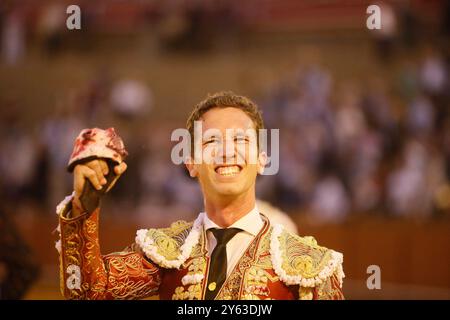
(251, 222)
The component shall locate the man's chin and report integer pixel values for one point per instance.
(229, 191)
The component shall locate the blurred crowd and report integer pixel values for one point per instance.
(366, 146)
(349, 146)
(373, 145)
(33, 163)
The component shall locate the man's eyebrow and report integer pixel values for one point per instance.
(209, 136)
(245, 133)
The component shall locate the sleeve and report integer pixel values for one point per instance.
(86, 274)
(330, 289)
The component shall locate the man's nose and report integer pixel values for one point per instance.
(226, 151)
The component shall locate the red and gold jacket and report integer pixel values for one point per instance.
(173, 263)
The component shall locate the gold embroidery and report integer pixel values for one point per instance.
(302, 256)
(166, 246)
(256, 283)
(178, 294)
(71, 244)
(234, 284)
(196, 268)
(123, 275)
(330, 289)
(194, 292)
(169, 240)
(126, 280)
(248, 296)
(196, 265)
(305, 293)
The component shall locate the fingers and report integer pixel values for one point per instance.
(93, 177)
(120, 168)
(82, 172)
(95, 171)
(104, 167)
(98, 170)
(78, 180)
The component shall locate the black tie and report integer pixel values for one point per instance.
(218, 265)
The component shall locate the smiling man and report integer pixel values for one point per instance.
(231, 251)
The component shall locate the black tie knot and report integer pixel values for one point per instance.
(224, 235)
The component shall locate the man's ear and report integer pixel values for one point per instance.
(191, 167)
(262, 161)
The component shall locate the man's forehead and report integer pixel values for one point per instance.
(229, 132)
(226, 118)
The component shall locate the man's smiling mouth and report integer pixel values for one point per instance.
(228, 170)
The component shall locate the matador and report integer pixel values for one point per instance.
(231, 251)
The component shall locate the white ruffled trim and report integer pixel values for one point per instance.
(58, 246)
(59, 209)
(192, 279)
(151, 251)
(63, 204)
(340, 272)
(335, 264)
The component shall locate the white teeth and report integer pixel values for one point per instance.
(228, 171)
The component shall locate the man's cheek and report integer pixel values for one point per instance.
(240, 154)
(252, 171)
(209, 153)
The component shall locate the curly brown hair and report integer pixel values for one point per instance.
(225, 99)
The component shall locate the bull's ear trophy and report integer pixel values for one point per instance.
(98, 144)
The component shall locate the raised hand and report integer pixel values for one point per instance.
(94, 171)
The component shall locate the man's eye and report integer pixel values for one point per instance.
(241, 139)
(209, 141)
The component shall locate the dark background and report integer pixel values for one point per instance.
(363, 116)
